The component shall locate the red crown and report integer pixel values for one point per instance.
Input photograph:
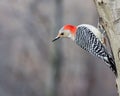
(72, 28)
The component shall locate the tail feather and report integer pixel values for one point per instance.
(112, 65)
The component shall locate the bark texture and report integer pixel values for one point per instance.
(109, 12)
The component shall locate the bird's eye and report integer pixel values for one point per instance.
(62, 33)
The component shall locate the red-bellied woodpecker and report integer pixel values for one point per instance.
(88, 38)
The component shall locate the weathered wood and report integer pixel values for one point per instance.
(109, 11)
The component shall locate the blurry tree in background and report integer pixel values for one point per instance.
(26, 60)
(57, 57)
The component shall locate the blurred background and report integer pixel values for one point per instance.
(30, 65)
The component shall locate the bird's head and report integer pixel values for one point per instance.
(67, 31)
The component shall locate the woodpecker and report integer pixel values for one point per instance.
(88, 38)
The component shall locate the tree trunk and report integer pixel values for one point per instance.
(109, 12)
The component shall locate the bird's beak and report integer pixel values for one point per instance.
(56, 38)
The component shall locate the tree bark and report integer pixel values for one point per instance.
(109, 12)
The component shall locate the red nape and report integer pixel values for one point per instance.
(72, 28)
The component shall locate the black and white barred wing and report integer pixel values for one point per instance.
(89, 42)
